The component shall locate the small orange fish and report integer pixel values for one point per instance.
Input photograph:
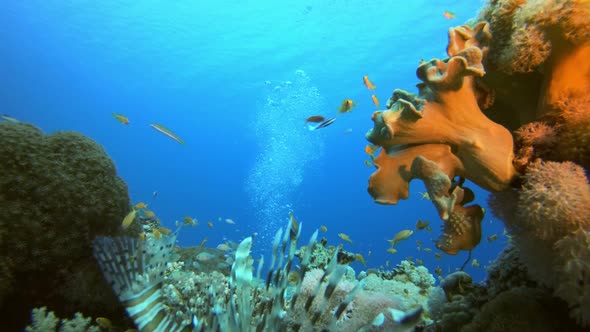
(370, 149)
(121, 118)
(148, 213)
(140, 205)
(346, 106)
(210, 224)
(164, 230)
(315, 119)
(449, 15)
(375, 100)
(157, 233)
(368, 83)
(360, 258)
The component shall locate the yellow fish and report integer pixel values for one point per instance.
(148, 213)
(104, 323)
(210, 224)
(492, 238)
(392, 250)
(346, 106)
(121, 118)
(360, 258)
(203, 243)
(142, 236)
(424, 195)
(427, 250)
(129, 219)
(368, 163)
(188, 220)
(370, 149)
(164, 230)
(375, 100)
(368, 83)
(323, 228)
(400, 236)
(157, 233)
(344, 237)
(223, 247)
(475, 263)
(140, 205)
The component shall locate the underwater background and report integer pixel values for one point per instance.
(236, 81)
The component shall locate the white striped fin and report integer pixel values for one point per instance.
(135, 270)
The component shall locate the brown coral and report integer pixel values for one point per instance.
(57, 192)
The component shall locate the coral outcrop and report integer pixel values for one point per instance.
(57, 192)
(442, 133)
(522, 67)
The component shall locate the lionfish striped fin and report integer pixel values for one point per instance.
(135, 270)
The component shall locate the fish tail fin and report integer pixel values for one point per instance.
(135, 270)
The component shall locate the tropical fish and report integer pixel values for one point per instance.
(156, 233)
(210, 224)
(148, 213)
(104, 323)
(121, 118)
(368, 83)
(438, 270)
(8, 118)
(202, 244)
(424, 195)
(142, 236)
(387, 263)
(223, 247)
(345, 237)
(422, 224)
(475, 263)
(122, 261)
(370, 149)
(368, 163)
(360, 258)
(492, 238)
(140, 205)
(400, 236)
(315, 126)
(164, 230)
(188, 220)
(427, 250)
(437, 255)
(392, 250)
(375, 100)
(129, 218)
(449, 15)
(166, 132)
(323, 228)
(315, 119)
(346, 106)
(419, 261)
(230, 221)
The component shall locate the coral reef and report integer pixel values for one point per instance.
(44, 321)
(323, 299)
(57, 192)
(520, 66)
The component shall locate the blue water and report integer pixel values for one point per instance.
(235, 80)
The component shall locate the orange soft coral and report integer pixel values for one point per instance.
(443, 124)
